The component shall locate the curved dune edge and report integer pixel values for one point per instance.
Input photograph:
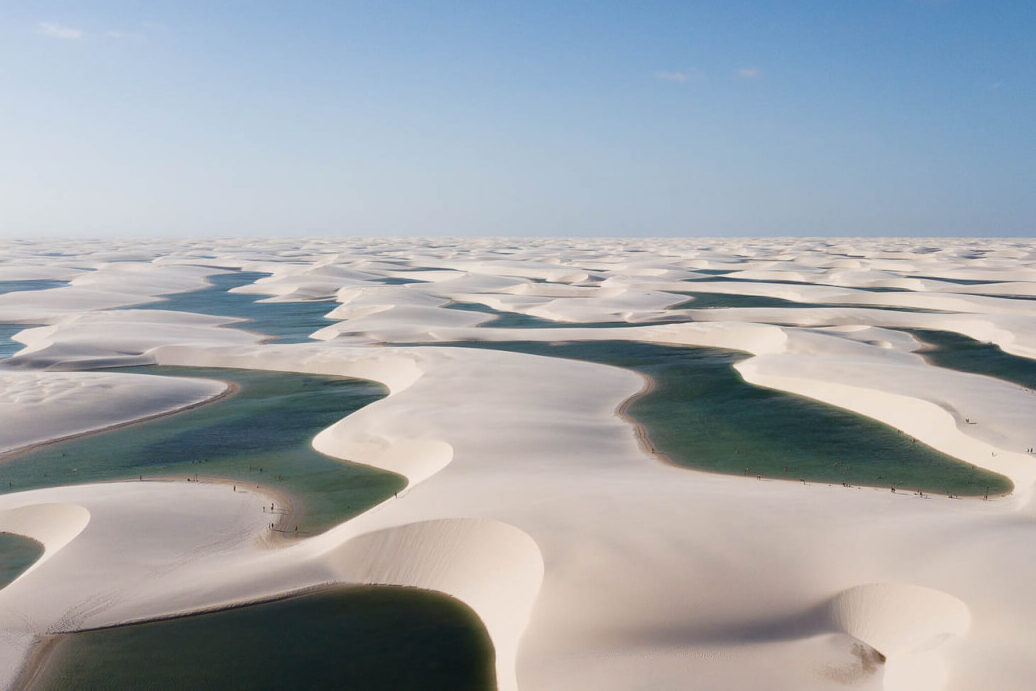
(923, 420)
(780, 362)
(414, 554)
(106, 286)
(393, 369)
(46, 407)
(934, 411)
(1014, 334)
(899, 619)
(907, 624)
(415, 459)
(52, 525)
(491, 566)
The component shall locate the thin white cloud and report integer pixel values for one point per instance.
(58, 31)
(679, 77)
(748, 72)
(690, 75)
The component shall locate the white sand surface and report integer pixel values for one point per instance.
(39, 406)
(119, 338)
(591, 563)
(111, 285)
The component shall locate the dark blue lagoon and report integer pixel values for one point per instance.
(16, 286)
(8, 346)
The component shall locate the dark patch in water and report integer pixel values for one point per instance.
(370, 638)
(17, 554)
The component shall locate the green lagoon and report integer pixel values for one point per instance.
(701, 414)
(956, 351)
(261, 435)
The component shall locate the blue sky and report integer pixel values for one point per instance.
(882, 117)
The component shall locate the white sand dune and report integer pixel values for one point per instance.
(72, 341)
(39, 406)
(906, 624)
(493, 567)
(109, 286)
(592, 564)
(1012, 333)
